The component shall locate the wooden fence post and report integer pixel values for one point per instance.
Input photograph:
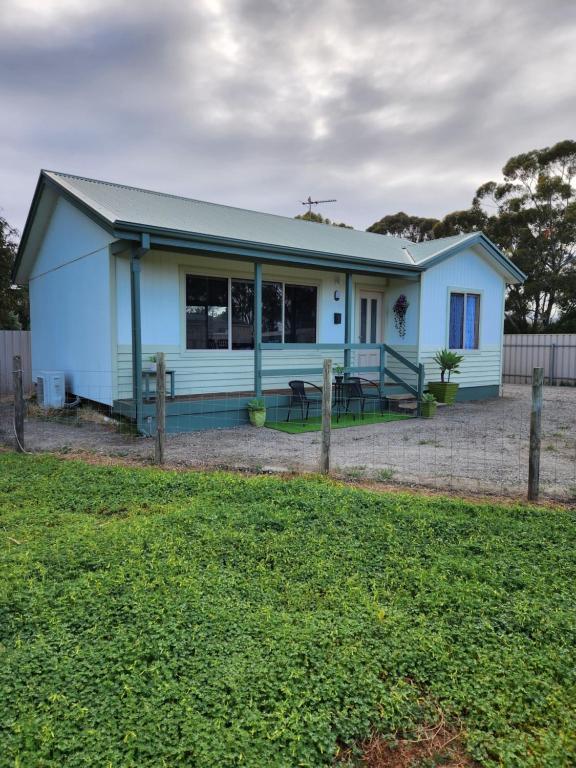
(326, 416)
(535, 435)
(160, 408)
(18, 386)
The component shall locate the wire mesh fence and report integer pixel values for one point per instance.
(472, 447)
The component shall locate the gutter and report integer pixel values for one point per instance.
(167, 237)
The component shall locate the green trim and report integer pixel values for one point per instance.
(477, 238)
(477, 393)
(258, 329)
(136, 335)
(40, 184)
(246, 250)
(348, 293)
(287, 346)
(43, 182)
(318, 371)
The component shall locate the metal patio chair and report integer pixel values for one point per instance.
(357, 391)
(299, 397)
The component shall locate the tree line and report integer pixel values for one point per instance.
(531, 216)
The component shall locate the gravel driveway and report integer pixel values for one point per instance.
(477, 446)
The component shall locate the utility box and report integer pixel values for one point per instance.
(51, 389)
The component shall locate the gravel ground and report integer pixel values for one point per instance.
(477, 447)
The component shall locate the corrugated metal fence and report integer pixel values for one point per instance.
(555, 352)
(14, 343)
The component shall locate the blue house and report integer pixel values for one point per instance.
(241, 301)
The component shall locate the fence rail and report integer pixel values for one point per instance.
(14, 343)
(554, 352)
(347, 347)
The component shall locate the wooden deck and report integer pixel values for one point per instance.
(212, 410)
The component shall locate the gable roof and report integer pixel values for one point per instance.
(119, 208)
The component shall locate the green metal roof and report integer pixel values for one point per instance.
(422, 251)
(141, 207)
(131, 211)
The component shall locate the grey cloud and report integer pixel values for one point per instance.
(380, 103)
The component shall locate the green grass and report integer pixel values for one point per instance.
(314, 423)
(153, 619)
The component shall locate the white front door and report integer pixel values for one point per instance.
(369, 328)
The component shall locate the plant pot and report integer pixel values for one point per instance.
(151, 367)
(339, 379)
(257, 418)
(428, 409)
(444, 392)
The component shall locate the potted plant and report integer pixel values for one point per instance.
(428, 405)
(339, 373)
(445, 390)
(400, 309)
(257, 411)
(152, 363)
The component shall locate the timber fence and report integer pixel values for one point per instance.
(14, 343)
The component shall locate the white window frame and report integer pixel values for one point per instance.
(187, 271)
(465, 292)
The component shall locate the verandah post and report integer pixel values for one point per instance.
(347, 321)
(326, 416)
(258, 329)
(160, 408)
(535, 435)
(382, 372)
(137, 252)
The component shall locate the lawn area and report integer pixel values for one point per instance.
(153, 618)
(314, 423)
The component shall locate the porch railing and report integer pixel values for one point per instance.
(382, 370)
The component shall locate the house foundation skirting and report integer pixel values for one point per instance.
(216, 412)
(477, 393)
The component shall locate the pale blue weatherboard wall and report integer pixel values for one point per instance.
(197, 371)
(465, 271)
(70, 307)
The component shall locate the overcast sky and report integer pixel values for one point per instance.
(385, 105)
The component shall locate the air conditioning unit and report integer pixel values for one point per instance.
(51, 389)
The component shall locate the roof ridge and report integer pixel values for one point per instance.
(462, 235)
(208, 202)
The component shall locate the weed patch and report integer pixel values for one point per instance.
(154, 618)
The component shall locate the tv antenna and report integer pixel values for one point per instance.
(309, 202)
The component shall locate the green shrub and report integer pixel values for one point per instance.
(256, 404)
(449, 362)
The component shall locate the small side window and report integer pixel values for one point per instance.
(464, 322)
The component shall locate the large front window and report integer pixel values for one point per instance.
(464, 328)
(220, 313)
(206, 312)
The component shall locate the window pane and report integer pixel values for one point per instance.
(242, 314)
(300, 314)
(206, 312)
(363, 319)
(373, 320)
(456, 320)
(472, 321)
(272, 313)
